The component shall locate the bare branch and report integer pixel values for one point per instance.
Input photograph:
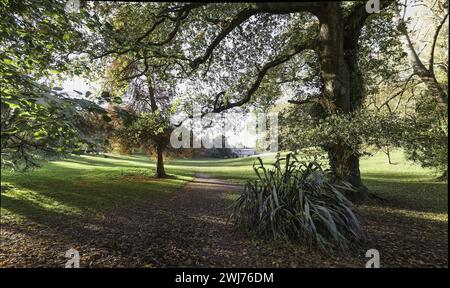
(433, 47)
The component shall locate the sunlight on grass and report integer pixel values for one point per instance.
(84, 185)
(440, 217)
(87, 185)
(14, 207)
(405, 186)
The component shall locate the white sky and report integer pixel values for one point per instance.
(79, 84)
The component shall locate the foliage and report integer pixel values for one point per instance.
(38, 120)
(397, 86)
(298, 201)
(381, 55)
(358, 130)
(36, 128)
(148, 130)
(423, 134)
(156, 47)
(426, 139)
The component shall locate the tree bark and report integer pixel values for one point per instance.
(345, 166)
(340, 93)
(388, 154)
(343, 89)
(160, 172)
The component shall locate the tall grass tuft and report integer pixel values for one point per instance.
(298, 201)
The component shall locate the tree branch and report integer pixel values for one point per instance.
(240, 18)
(436, 35)
(260, 76)
(301, 102)
(182, 14)
(356, 19)
(137, 75)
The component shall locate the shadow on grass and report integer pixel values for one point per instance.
(416, 196)
(105, 162)
(36, 213)
(50, 199)
(90, 189)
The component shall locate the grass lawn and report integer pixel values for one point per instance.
(410, 190)
(85, 185)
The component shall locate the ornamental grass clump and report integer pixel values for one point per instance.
(297, 201)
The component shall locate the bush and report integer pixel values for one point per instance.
(298, 201)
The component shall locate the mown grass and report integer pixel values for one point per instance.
(410, 190)
(87, 185)
(84, 185)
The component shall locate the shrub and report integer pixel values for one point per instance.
(298, 201)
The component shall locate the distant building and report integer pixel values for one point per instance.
(244, 152)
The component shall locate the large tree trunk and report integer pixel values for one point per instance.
(338, 93)
(345, 166)
(343, 87)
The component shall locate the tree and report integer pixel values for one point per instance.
(407, 77)
(238, 49)
(38, 120)
(145, 82)
(150, 130)
(428, 142)
(425, 73)
(334, 39)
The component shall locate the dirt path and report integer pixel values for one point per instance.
(189, 228)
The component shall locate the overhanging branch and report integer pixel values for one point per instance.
(260, 76)
(240, 18)
(182, 14)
